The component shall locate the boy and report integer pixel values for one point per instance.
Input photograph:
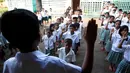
(66, 53)
(49, 42)
(80, 22)
(75, 20)
(29, 59)
(71, 34)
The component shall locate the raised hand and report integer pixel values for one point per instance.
(90, 32)
(112, 31)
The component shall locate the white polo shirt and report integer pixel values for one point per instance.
(37, 62)
(117, 40)
(49, 42)
(74, 37)
(124, 21)
(127, 52)
(69, 57)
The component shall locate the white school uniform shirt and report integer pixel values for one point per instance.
(120, 17)
(81, 26)
(39, 16)
(74, 38)
(127, 52)
(105, 21)
(38, 62)
(43, 13)
(49, 42)
(116, 41)
(79, 34)
(110, 26)
(57, 34)
(116, 32)
(124, 21)
(69, 57)
(128, 24)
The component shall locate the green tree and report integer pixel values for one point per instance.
(1, 0)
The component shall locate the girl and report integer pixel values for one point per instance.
(112, 33)
(105, 32)
(124, 66)
(115, 55)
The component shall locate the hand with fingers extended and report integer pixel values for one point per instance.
(90, 32)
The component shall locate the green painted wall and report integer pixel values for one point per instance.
(34, 5)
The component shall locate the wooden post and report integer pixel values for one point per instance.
(39, 5)
(75, 4)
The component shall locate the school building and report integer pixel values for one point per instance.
(91, 8)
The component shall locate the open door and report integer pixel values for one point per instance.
(75, 4)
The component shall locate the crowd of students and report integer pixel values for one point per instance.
(21, 28)
(114, 37)
(62, 38)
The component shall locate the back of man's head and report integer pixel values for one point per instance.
(20, 27)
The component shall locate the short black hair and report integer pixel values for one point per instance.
(21, 28)
(125, 12)
(75, 18)
(118, 21)
(112, 16)
(73, 25)
(116, 7)
(122, 28)
(79, 17)
(107, 13)
(120, 10)
(69, 41)
(62, 18)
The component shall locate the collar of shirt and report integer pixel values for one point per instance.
(29, 56)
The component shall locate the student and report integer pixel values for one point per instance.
(50, 15)
(66, 53)
(113, 32)
(39, 15)
(105, 34)
(124, 19)
(124, 65)
(29, 59)
(80, 22)
(49, 42)
(73, 35)
(75, 20)
(119, 15)
(43, 15)
(115, 55)
(57, 32)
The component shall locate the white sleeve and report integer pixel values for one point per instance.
(77, 39)
(126, 46)
(70, 68)
(73, 57)
(5, 68)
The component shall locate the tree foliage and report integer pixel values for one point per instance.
(1, 0)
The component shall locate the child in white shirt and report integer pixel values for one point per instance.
(66, 53)
(124, 19)
(124, 65)
(73, 35)
(49, 43)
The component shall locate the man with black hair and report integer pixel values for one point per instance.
(15, 26)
